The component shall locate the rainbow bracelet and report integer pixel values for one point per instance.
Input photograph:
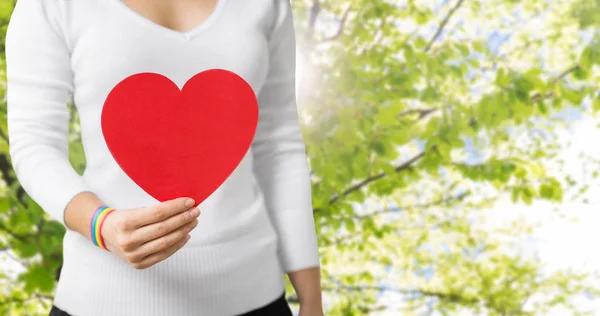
(96, 225)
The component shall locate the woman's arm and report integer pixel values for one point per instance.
(39, 80)
(307, 283)
(280, 161)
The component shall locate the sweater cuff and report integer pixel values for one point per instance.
(60, 185)
(298, 241)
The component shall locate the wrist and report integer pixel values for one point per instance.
(79, 212)
(311, 308)
(310, 298)
(97, 224)
(307, 284)
(313, 300)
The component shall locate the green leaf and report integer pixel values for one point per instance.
(502, 78)
(350, 225)
(527, 195)
(542, 107)
(420, 43)
(463, 48)
(479, 46)
(546, 191)
(515, 194)
(25, 250)
(596, 103)
(388, 169)
(4, 205)
(585, 61)
(37, 278)
(581, 73)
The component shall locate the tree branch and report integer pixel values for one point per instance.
(538, 96)
(449, 297)
(12, 234)
(406, 165)
(340, 30)
(565, 73)
(5, 168)
(3, 136)
(444, 200)
(443, 25)
(340, 239)
(312, 21)
(421, 112)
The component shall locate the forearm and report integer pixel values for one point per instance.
(39, 81)
(307, 284)
(79, 212)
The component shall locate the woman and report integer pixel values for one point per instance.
(253, 229)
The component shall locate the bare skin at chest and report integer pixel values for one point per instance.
(177, 15)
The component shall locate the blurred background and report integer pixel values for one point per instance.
(454, 147)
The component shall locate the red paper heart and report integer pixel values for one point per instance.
(180, 143)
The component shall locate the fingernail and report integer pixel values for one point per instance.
(195, 212)
(188, 237)
(189, 202)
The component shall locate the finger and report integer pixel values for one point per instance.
(162, 255)
(161, 211)
(164, 242)
(156, 230)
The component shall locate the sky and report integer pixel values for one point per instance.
(561, 243)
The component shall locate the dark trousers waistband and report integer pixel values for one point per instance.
(278, 307)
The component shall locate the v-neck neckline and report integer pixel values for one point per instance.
(189, 34)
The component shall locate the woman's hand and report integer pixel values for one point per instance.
(146, 236)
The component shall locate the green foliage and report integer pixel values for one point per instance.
(414, 126)
(587, 12)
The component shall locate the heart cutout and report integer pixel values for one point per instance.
(180, 143)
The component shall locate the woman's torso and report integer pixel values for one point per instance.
(113, 41)
(230, 263)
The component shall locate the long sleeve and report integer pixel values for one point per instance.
(280, 161)
(39, 79)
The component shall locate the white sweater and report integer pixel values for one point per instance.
(254, 228)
